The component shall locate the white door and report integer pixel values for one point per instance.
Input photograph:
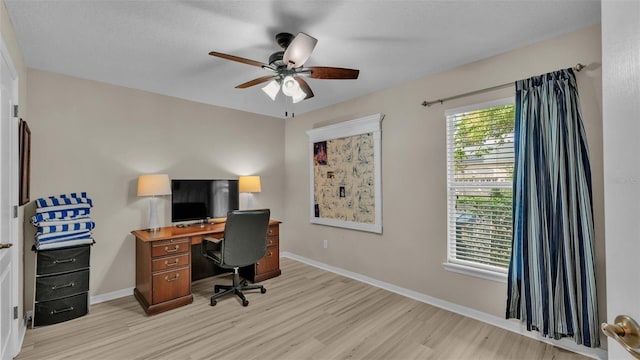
(9, 324)
(621, 131)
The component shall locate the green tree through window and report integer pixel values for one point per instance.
(480, 170)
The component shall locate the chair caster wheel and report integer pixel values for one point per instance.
(263, 290)
(213, 302)
(245, 302)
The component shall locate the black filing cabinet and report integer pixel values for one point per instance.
(62, 285)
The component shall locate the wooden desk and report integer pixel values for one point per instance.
(163, 263)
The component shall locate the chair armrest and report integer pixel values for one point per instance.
(213, 240)
(209, 243)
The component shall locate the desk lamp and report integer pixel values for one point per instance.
(249, 184)
(153, 185)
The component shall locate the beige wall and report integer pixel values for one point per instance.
(94, 137)
(412, 248)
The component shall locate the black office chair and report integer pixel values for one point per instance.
(244, 243)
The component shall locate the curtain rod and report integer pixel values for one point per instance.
(578, 67)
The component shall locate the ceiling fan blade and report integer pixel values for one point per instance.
(239, 59)
(305, 87)
(299, 50)
(257, 81)
(324, 72)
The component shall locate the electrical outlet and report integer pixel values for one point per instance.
(326, 243)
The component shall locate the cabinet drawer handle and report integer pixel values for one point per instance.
(167, 278)
(56, 287)
(269, 254)
(270, 232)
(176, 261)
(270, 242)
(166, 249)
(64, 261)
(70, 308)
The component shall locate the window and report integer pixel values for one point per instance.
(480, 161)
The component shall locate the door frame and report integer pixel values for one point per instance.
(18, 327)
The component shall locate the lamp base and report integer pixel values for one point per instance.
(153, 214)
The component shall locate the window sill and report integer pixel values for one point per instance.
(472, 271)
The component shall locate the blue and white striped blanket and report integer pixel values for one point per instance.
(62, 236)
(64, 199)
(62, 212)
(63, 239)
(45, 227)
(67, 243)
(63, 221)
(63, 207)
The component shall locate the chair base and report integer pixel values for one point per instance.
(236, 288)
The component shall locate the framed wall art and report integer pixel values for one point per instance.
(24, 145)
(345, 173)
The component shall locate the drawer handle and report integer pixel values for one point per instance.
(56, 287)
(167, 263)
(269, 254)
(166, 249)
(64, 261)
(270, 242)
(70, 308)
(167, 278)
(270, 232)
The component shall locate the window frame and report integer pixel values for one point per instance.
(453, 264)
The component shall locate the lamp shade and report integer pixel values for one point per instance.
(272, 89)
(249, 184)
(299, 95)
(290, 86)
(154, 185)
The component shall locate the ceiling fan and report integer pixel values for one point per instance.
(287, 68)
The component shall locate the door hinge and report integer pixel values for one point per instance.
(15, 110)
(15, 211)
(15, 313)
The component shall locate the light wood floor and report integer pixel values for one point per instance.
(306, 313)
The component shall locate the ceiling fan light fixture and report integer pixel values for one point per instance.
(290, 86)
(272, 89)
(299, 50)
(299, 96)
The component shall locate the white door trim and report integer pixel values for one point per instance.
(19, 327)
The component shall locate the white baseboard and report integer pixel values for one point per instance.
(110, 296)
(510, 325)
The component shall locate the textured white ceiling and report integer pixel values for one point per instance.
(163, 46)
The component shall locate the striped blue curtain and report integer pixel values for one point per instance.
(551, 280)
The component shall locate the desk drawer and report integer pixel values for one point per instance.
(270, 261)
(169, 262)
(169, 247)
(170, 285)
(59, 286)
(56, 311)
(273, 230)
(273, 241)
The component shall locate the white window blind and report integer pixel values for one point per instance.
(480, 161)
